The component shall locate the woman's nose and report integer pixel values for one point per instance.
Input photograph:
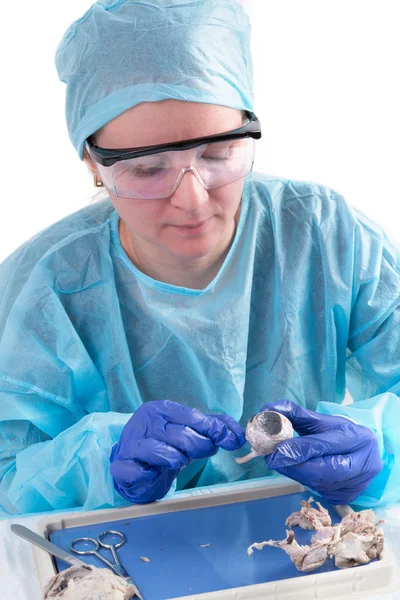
(190, 194)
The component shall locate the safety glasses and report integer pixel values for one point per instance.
(156, 171)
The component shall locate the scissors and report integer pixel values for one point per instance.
(116, 566)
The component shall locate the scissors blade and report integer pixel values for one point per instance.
(119, 569)
(137, 593)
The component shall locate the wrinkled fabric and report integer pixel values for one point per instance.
(332, 455)
(121, 53)
(159, 440)
(308, 293)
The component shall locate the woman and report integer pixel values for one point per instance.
(147, 329)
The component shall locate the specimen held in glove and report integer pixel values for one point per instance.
(264, 431)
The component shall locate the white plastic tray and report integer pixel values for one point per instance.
(378, 577)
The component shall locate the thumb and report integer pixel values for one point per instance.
(304, 421)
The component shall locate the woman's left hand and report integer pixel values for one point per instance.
(333, 455)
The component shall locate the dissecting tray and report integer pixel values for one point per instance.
(197, 546)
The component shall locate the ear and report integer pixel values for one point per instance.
(91, 165)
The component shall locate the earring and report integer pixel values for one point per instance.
(97, 182)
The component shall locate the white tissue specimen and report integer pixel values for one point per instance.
(356, 540)
(306, 558)
(264, 431)
(361, 539)
(308, 517)
(88, 583)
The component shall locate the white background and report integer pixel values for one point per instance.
(327, 93)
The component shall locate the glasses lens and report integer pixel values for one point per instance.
(154, 176)
(225, 162)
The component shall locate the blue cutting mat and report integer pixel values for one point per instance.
(179, 566)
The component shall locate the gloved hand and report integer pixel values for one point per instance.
(159, 440)
(333, 456)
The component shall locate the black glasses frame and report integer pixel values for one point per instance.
(107, 157)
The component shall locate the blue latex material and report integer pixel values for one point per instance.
(121, 53)
(307, 296)
(159, 440)
(179, 566)
(332, 455)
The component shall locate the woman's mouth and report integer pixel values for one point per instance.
(193, 227)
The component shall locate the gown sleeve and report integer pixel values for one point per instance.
(56, 431)
(372, 330)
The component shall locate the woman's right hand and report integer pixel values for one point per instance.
(159, 440)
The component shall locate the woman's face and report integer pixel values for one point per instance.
(168, 225)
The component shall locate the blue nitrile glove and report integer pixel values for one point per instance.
(159, 440)
(333, 456)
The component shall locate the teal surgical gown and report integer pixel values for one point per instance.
(305, 304)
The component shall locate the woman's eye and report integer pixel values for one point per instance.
(215, 157)
(219, 153)
(141, 172)
(150, 171)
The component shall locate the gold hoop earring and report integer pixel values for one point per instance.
(97, 182)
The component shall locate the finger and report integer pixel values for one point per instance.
(207, 425)
(344, 494)
(128, 471)
(141, 483)
(185, 439)
(318, 471)
(235, 427)
(221, 433)
(304, 421)
(333, 472)
(154, 452)
(344, 439)
(338, 492)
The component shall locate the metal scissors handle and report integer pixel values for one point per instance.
(94, 551)
(117, 566)
(113, 547)
(99, 542)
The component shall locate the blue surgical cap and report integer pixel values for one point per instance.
(122, 53)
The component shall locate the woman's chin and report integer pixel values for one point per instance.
(187, 244)
(194, 248)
